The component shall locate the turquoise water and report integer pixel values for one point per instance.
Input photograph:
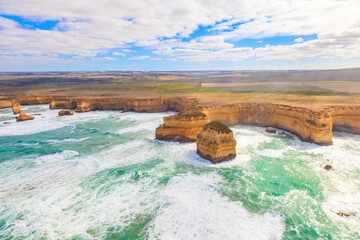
(101, 175)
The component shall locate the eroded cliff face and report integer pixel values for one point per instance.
(345, 119)
(214, 144)
(25, 101)
(6, 104)
(34, 100)
(136, 105)
(308, 125)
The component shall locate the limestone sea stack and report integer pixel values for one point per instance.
(23, 117)
(216, 142)
(16, 108)
(65, 113)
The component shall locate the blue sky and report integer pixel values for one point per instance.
(49, 35)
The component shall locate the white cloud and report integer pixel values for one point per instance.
(105, 58)
(118, 54)
(139, 58)
(87, 28)
(156, 59)
(128, 51)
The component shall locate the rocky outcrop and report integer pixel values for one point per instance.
(271, 130)
(346, 214)
(308, 125)
(328, 167)
(23, 117)
(182, 127)
(16, 108)
(124, 104)
(216, 142)
(65, 113)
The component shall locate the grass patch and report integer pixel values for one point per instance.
(279, 89)
(218, 127)
(182, 87)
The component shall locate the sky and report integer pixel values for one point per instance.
(171, 35)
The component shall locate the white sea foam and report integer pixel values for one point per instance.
(67, 140)
(73, 194)
(150, 126)
(196, 210)
(29, 127)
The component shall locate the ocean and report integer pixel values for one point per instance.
(102, 175)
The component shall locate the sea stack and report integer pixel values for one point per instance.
(16, 108)
(216, 142)
(23, 117)
(65, 112)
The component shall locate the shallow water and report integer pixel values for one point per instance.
(101, 175)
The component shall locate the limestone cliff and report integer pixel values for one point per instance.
(23, 117)
(345, 119)
(34, 100)
(308, 125)
(6, 104)
(216, 142)
(62, 104)
(125, 104)
(25, 101)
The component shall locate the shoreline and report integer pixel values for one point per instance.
(309, 125)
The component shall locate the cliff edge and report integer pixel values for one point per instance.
(308, 125)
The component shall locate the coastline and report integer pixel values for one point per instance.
(308, 125)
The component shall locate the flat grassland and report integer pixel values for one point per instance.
(311, 89)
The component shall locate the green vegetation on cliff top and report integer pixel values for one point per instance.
(218, 127)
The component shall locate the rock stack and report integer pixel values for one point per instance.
(23, 117)
(216, 142)
(16, 108)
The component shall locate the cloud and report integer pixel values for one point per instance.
(118, 54)
(156, 59)
(128, 51)
(188, 30)
(105, 58)
(139, 57)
